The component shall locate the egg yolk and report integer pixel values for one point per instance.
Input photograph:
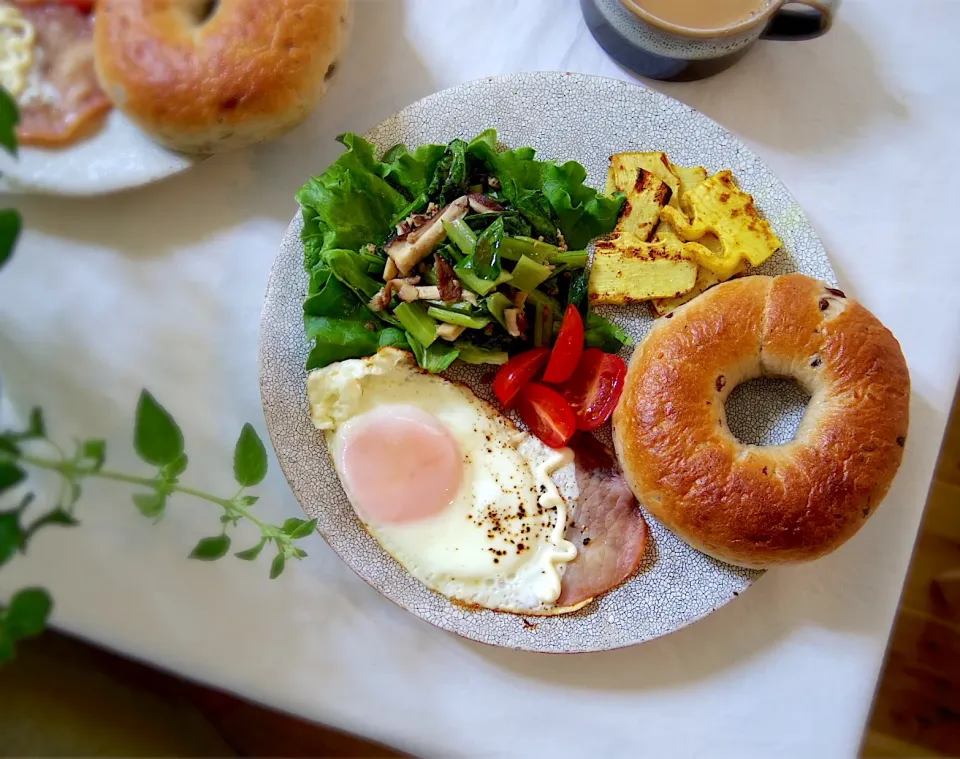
(399, 464)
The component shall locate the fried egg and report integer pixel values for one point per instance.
(445, 483)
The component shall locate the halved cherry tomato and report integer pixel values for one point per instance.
(595, 387)
(547, 414)
(567, 348)
(516, 373)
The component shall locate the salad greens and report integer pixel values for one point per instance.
(494, 277)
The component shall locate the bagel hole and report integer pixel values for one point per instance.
(766, 411)
(204, 10)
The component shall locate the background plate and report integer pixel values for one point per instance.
(564, 116)
(117, 157)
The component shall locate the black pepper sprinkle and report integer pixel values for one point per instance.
(816, 362)
(901, 441)
(586, 541)
(721, 382)
(669, 316)
(866, 512)
(764, 470)
(824, 304)
(835, 291)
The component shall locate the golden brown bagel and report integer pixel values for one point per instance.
(758, 506)
(249, 71)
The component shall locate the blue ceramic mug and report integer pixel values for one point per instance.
(651, 47)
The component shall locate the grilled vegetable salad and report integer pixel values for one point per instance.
(451, 251)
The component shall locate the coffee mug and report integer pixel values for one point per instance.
(651, 47)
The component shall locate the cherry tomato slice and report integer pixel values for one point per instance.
(547, 414)
(566, 351)
(516, 373)
(595, 387)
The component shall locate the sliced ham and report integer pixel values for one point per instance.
(608, 528)
(62, 100)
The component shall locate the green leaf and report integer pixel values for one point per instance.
(156, 437)
(175, 468)
(338, 339)
(75, 492)
(435, 358)
(299, 528)
(350, 204)
(276, 566)
(9, 118)
(58, 516)
(27, 613)
(414, 171)
(10, 475)
(7, 648)
(37, 428)
(10, 225)
(604, 334)
(211, 549)
(299, 553)
(7, 445)
(582, 212)
(248, 500)
(486, 257)
(249, 458)
(151, 505)
(251, 553)
(94, 452)
(11, 534)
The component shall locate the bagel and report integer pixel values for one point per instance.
(202, 76)
(757, 506)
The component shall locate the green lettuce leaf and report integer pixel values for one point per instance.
(338, 339)
(350, 204)
(435, 358)
(582, 212)
(412, 172)
(604, 334)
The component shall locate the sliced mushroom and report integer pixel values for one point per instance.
(449, 331)
(512, 317)
(408, 293)
(468, 296)
(480, 203)
(409, 250)
(428, 292)
(390, 271)
(447, 282)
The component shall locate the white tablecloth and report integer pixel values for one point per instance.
(162, 287)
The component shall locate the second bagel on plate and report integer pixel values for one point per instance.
(205, 77)
(758, 506)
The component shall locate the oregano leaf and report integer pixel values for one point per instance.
(299, 552)
(176, 467)
(36, 426)
(9, 118)
(276, 566)
(10, 475)
(248, 500)
(306, 528)
(27, 613)
(292, 524)
(11, 535)
(249, 458)
(10, 224)
(94, 453)
(151, 505)
(211, 549)
(57, 516)
(156, 437)
(251, 553)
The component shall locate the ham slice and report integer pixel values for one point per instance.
(62, 100)
(607, 527)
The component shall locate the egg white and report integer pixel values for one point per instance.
(498, 544)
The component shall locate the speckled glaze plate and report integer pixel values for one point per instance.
(117, 157)
(564, 116)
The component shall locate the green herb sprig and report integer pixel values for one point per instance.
(158, 441)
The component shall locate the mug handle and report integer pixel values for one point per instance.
(801, 24)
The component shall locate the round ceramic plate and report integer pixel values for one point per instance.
(116, 157)
(564, 116)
